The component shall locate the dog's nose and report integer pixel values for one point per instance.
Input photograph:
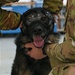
(38, 30)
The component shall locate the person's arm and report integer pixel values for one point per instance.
(66, 50)
(8, 19)
(53, 5)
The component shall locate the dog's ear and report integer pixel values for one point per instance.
(24, 22)
(51, 28)
(23, 29)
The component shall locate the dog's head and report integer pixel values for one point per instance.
(38, 23)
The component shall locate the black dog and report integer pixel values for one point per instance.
(38, 25)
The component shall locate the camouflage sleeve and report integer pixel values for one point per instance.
(53, 5)
(61, 53)
(64, 52)
(8, 19)
(70, 20)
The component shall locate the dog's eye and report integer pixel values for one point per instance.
(45, 20)
(28, 22)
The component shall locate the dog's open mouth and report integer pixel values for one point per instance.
(38, 41)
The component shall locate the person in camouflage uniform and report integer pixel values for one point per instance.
(62, 56)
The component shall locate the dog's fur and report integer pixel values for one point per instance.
(36, 22)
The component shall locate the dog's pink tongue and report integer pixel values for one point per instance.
(38, 41)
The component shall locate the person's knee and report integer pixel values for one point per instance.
(69, 71)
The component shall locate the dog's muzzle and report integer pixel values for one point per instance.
(38, 39)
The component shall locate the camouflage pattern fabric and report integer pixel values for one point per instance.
(63, 55)
(8, 19)
(70, 20)
(6, 1)
(60, 69)
(53, 5)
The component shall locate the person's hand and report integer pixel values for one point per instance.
(34, 52)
